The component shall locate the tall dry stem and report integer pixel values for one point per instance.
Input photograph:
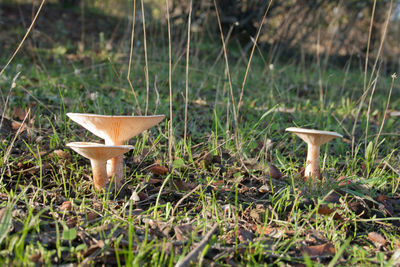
(228, 74)
(384, 113)
(187, 72)
(130, 57)
(146, 67)
(368, 85)
(170, 129)
(251, 56)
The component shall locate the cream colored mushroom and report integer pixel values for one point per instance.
(98, 155)
(115, 130)
(314, 140)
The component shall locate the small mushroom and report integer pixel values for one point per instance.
(314, 140)
(115, 130)
(98, 155)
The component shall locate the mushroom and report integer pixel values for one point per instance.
(115, 130)
(98, 155)
(314, 140)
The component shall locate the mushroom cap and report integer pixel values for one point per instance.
(115, 129)
(95, 151)
(314, 137)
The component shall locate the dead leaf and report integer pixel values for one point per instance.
(357, 207)
(244, 235)
(326, 210)
(273, 172)
(218, 183)
(62, 154)
(377, 239)
(66, 205)
(333, 197)
(71, 222)
(269, 231)
(183, 186)
(99, 245)
(142, 196)
(19, 113)
(159, 170)
(97, 206)
(326, 249)
(183, 232)
(343, 181)
(37, 257)
(91, 215)
(154, 181)
(264, 189)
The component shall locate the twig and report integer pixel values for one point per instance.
(183, 198)
(194, 253)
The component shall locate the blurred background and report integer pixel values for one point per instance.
(293, 29)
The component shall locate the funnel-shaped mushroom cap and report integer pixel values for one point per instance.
(115, 129)
(313, 137)
(95, 151)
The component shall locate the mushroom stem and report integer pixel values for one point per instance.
(115, 166)
(115, 170)
(99, 173)
(312, 164)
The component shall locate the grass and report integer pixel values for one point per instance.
(50, 213)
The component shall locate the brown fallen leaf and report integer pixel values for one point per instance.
(143, 196)
(62, 154)
(3, 196)
(37, 257)
(326, 249)
(154, 181)
(333, 197)
(91, 215)
(326, 210)
(71, 222)
(19, 113)
(66, 205)
(218, 183)
(182, 185)
(357, 207)
(244, 235)
(264, 189)
(273, 172)
(343, 181)
(377, 239)
(183, 232)
(159, 170)
(269, 231)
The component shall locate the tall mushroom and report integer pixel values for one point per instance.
(98, 155)
(115, 130)
(314, 140)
